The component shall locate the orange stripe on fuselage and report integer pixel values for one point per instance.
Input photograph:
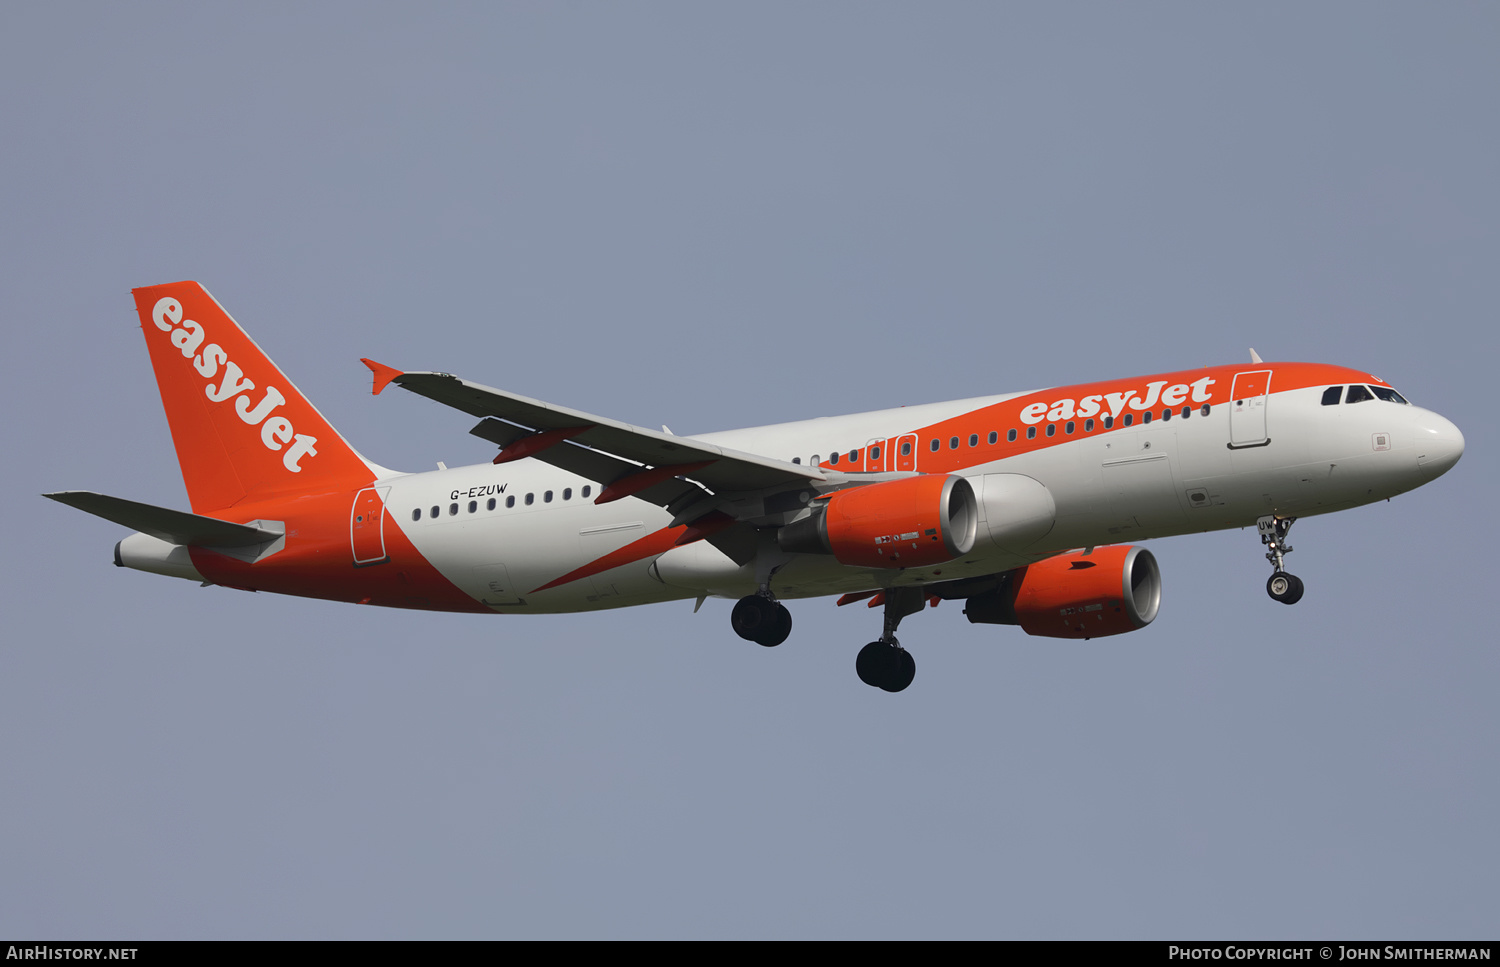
(1002, 417)
(658, 542)
(318, 560)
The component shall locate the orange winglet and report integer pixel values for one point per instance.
(854, 596)
(383, 375)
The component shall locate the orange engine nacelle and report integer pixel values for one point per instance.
(911, 522)
(1109, 592)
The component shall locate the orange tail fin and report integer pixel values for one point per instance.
(242, 430)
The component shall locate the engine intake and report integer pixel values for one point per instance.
(1109, 592)
(911, 522)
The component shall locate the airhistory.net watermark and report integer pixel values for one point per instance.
(43, 952)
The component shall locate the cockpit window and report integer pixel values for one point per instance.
(1357, 394)
(1388, 394)
(1331, 395)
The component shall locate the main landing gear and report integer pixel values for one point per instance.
(885, 664)
(1283, 587)
(761, 619)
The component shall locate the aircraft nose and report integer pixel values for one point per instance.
(1439, 445)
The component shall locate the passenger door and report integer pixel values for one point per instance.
(1247, 409)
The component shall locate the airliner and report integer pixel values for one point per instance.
(1025, 506)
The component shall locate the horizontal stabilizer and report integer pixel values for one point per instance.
(173, 526)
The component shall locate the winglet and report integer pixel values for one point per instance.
(383, 375)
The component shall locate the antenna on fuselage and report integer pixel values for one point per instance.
(1255, 356)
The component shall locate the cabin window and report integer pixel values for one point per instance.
(1088, 425)
(1010, 437)
(1052, 429)
(1187, 411)
(473, 506)
(814, 460)
(973, 439)
(530, 499)
(1109, 423)
(1031, 433)
(433, 512)
(1357, 394)
(585, 491)
(547, 497)
(1331, 395)
(452, 510)
(1205, 409)
(1068, 428)
(489, 504)
(416, 514)
(833, 459)
(1145, 417)
(906, 449)
(874, 453)
(994, 438)
(567, 493)
(953, 443)
(510, 501)
(935, 444)
(1166, 414)
(854, 456)
(1129, 419)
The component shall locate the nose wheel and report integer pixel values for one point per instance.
(1283, 587)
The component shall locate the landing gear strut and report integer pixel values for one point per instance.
(759, 617)
(1283, 587)
(885, 664)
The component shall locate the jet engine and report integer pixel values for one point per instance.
(1080, 595)
(911, 522)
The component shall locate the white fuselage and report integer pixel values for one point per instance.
(1145, 481)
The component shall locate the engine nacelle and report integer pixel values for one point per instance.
(1109, 592)
(911, 522)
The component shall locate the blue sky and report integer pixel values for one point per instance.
(712, 216)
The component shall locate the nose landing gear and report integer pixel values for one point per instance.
(884, 664)
(1283, 587)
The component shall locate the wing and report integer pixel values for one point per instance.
(629, 461)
